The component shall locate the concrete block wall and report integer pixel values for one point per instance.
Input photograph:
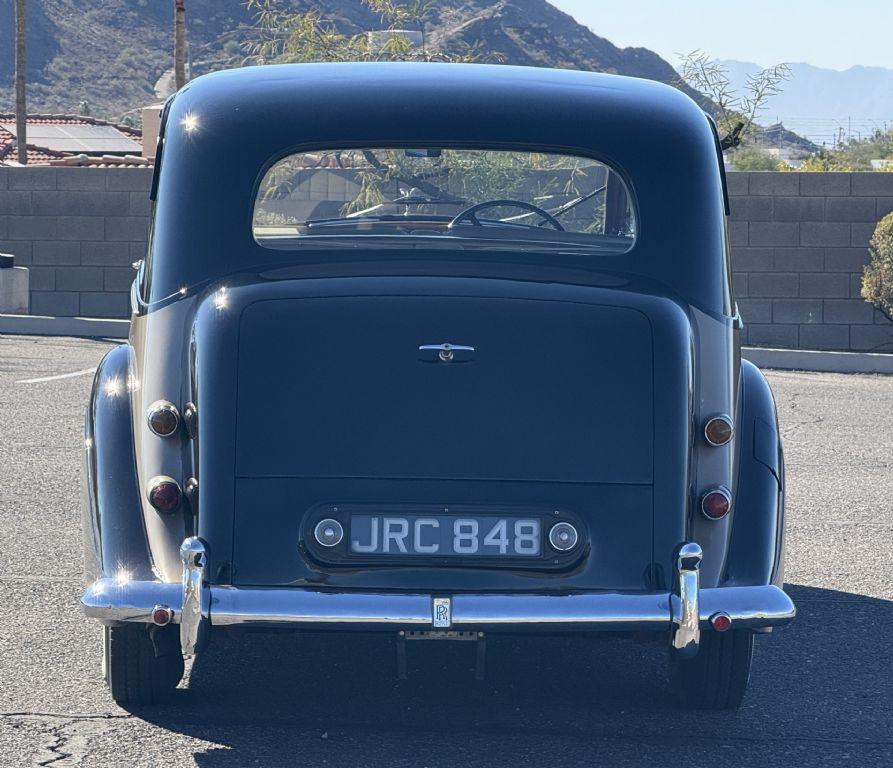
(78, 230)
(799, 243)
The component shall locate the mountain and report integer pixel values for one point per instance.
(818, 103)
(110, 54)
(536, 33)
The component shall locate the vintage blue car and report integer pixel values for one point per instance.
(440, 351)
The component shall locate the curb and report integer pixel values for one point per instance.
(43, 325)
(823, 362)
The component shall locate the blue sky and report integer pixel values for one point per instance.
(826, 33)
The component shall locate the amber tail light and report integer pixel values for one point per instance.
(718, 430)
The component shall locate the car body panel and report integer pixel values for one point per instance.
(756, 546)
(116, 545)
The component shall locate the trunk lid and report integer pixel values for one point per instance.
(553, 392)
(555, 410)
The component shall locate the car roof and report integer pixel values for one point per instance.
(458, 99)
(225, 129)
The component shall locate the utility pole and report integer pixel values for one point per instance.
(179, 43)
(21, 113)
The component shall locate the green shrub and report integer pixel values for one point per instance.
(877, 281)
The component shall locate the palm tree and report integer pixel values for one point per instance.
(179, 43)
(21, 114)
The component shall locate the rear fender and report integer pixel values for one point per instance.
(755, 547)
(114, 531)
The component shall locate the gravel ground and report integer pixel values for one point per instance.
(821, 693)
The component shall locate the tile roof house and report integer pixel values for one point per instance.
(71, 140)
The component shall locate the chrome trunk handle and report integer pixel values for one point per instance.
(446, 353)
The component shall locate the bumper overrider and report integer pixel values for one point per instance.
(196, 606)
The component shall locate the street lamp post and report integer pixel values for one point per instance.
(21, 113)
(179, 43)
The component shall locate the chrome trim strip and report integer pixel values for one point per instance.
(445, 348)
(118, 599)
(748, 607)
(581, 611)
(282, 606)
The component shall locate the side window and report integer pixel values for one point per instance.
(722, 165)
(143, 278)
(729, 299)
(143, 265)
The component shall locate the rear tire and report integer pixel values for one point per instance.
(716, 678)
(142, 664)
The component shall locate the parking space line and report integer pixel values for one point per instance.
(55, 378)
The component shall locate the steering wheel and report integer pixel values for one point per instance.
(469, 214)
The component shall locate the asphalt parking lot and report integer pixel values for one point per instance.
(821, 692)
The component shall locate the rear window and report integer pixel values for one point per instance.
(445, 197)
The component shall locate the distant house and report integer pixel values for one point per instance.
(792, 156)
(71, 140)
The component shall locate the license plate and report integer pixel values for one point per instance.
(445, 536)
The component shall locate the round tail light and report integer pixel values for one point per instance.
(165, 494)
(719, 430)
(716, 503)
(721, 622)
(162, 615)
(163, 418)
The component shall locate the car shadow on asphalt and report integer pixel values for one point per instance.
(270, 699)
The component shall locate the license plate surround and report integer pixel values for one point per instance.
(341, 554)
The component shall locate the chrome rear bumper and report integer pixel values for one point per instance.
(751, 607)
(197, 605)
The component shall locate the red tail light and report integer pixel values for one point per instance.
(165, 494)
(716, 503)
(163, 418)
(162, 615)
(721, 622)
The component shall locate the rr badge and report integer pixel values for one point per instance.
(441, 613)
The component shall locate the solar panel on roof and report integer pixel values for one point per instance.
(80, 138)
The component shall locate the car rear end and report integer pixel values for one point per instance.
(540, 476)
(442, 388)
